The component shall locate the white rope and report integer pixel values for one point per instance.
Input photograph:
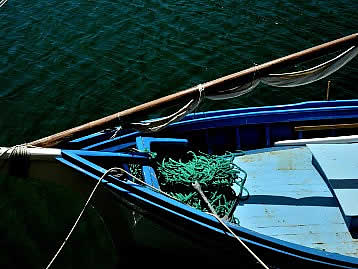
(18, 152)
(155, 125)
(201, 88)
(143, 182)
(241, 242)
(86, 204)
(197, 187)
(118, 129)
(80, 215)
(2, 2)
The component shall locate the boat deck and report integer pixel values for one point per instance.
(290, 200)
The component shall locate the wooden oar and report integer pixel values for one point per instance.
(226, 82)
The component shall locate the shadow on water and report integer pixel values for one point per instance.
(35, 219)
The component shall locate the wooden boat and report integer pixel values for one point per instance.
(297, 198)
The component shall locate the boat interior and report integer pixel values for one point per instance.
(304, 193)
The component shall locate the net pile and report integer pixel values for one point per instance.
(216, 175)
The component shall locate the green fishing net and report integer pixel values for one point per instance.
(216, 175)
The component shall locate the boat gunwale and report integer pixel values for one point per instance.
(170, 207)
(203, 116)
(149, 199)
(279, 115)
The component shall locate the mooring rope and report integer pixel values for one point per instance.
(87, 202)
(197, 187)
(16, 151)
(18, 154)
(154, 125)
(80, 215)
(158, 190)
(2, 2)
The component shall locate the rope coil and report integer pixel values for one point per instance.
(18, 159)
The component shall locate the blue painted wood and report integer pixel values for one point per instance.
(290, 201)
(348, 199)
(338, 161)
(119, 147)
(268, 135)
(238, 138)
(296, 199)
(338, 164)
(208, 142)
(298, 106)
(257, 115)
(144, 144)
(124, 155)
(153, 199)
(265, 117)
(108, 143)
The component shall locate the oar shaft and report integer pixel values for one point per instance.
(213, 86)
(112, 120)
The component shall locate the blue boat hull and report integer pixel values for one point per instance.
(161, 227)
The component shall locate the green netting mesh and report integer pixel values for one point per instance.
(216, 175)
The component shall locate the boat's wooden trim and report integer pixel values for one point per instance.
(326, 127)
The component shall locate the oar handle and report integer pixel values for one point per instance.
(226, 82)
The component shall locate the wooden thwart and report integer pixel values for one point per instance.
(326, 127)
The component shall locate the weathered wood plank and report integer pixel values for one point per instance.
(291, 201)
(326, 127)
(338, 163)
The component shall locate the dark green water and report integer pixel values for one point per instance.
(63, 63)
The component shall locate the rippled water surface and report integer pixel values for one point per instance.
(63, 63)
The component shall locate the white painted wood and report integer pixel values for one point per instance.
(348, 199)
(289, 200)
(33, 153)
(338, 163)
(323, 140)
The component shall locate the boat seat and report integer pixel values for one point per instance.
(338, 165)
(326, 127)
